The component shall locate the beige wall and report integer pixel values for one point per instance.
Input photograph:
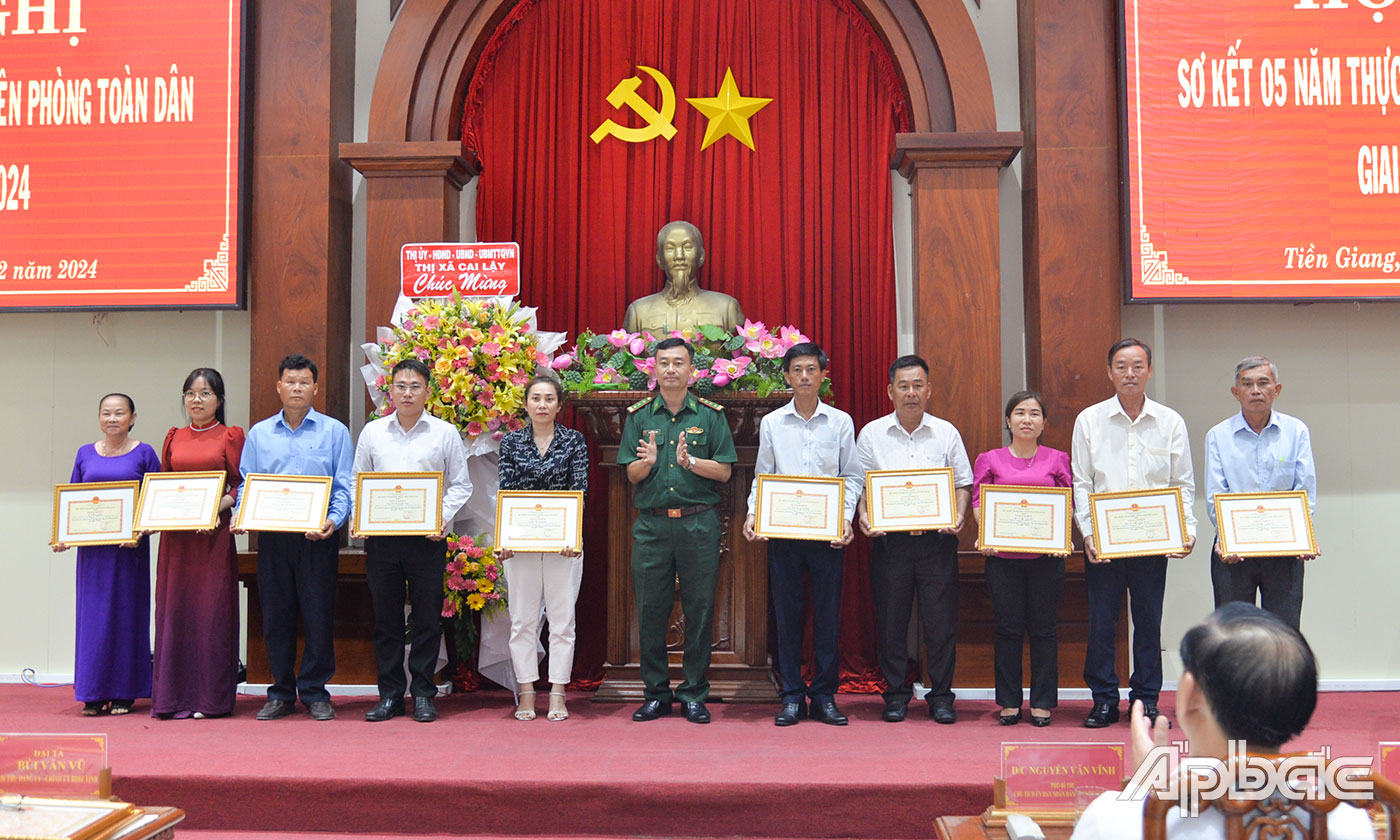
(64, 362)
(1336, 361)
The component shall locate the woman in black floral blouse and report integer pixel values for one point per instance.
(543, 456)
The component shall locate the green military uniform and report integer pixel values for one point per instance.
(672, 541)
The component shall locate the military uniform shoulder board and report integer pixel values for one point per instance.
(640, 404)
(711, 403)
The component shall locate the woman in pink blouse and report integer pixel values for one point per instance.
(1025, 588)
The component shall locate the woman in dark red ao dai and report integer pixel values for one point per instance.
(196, 645)
(1025, 588)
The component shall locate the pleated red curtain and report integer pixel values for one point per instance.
(797, 228)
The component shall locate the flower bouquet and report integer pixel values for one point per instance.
(473, 582)
(747, 359)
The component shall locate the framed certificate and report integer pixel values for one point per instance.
(1264, 524)
(1138, 523)
(35, 818)
(95, 513)
(180, 501)
(800, 507)
(1028, 520)
(910, 500)
(398, 504)
(546, 521)
(284, 502)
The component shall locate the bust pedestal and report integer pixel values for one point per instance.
(741, 667)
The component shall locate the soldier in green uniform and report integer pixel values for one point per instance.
(683, 452)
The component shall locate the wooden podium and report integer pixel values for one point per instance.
(741, 667)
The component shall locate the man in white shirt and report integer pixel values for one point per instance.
(1127, 442)
(909, 438)
(1246, 677)
(807, 437)
(410, 440)
(1259, 450)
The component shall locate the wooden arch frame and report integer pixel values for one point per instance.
(415, 168)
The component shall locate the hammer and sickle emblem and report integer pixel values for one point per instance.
(658, 124)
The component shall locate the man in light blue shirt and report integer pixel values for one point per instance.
(807, 437)
(1259, 450)
(297, 572)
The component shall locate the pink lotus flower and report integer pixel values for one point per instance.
(728, 370)
(648, 336)
(753, 329)
(637, 346)
(790, 335)
(688, 333)
(647, 366)
(608, 376)
(621, 338)
(767, 346)
(562, 361)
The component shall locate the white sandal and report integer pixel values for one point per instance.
(522, 713)
(560, 713)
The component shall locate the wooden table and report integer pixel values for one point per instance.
(971, 828)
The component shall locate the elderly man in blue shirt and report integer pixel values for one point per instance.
(297, 572)
(1259, 450)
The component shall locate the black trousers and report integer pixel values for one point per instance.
(1026, 601)
(1276, 581)
(1144, 580)
(394, 565)
(297, 578)
(788, 562)
(901, 566)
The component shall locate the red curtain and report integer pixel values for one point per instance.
(797, 229)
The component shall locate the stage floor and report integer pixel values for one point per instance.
(478, 771)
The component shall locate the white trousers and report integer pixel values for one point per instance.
(551, 582)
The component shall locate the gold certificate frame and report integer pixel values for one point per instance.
(94, 513)
(36, 818)
(1138, 523)
(1025, 520)
(544, 521)
(1264, 524)
(910, 500)
(293, 503)
(180, 501)
(800, 507)
(398, 504)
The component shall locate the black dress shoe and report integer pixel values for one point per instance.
(895, 711)
(386, 708)
(695, 712)
(790, 714)
(1102, 715)
(423, 710)
(651, 710)
(828, 713)
(943, 713)
(275, 709)
(1009, 720)
(321, 710)
(1039, 720)
(1150, 711)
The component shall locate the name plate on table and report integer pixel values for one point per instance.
(1027, 520)
(180, 501)
(295, 503)
(546, 521)
(1388, 760)
(1138, 523)
(1264, 524)
(47, 764)
(910, 500)
(402, 504)
(94, 513)
(1040, 779)
(799, 507)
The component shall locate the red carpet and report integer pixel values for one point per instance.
(478, 771)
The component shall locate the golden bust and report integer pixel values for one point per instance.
(680, 251)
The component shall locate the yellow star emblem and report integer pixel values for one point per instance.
(728, 112)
